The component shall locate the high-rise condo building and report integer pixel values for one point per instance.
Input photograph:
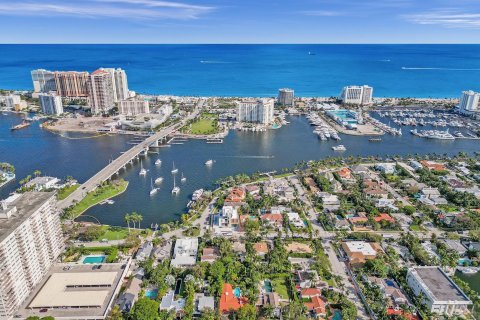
(469, 101)
(286, 97)
(100, 91)
(51, 103)
(43, 80)
(132, 107)
(14, 102)
(71, 83)
(120, 83)
(257, 111)
(30, 241)
(361, 95)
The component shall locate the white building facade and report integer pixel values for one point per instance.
(101, 91)
(361, 95)
(43, 80)
(51, 103)
(30, 242)
(469, 101)
(255, 111)
(132, 107)
(286, 97)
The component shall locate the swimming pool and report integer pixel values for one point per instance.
(93, 259)
(267, 285)
(347, 116)
(237, 293)
(152, 293)
(337, 315)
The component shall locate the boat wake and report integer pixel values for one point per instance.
(213, 62)
(443, 69)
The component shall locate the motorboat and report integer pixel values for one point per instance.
(209, 162)
(159, 180)
(340, 147)
(158, 162)
(153, 190)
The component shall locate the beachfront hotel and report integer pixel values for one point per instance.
(469, 101)
(100, 91)
(30, 241)
(361, 95)
(120, 83)
(71, 83)
(256, 111)
(133, 106)
(286, 97)
(51, 103)
(43, 80)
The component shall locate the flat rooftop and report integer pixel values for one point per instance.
(441, 286)
(26, 204)
(71, 291)
(362, 247)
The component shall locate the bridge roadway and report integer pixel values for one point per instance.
(119, 163)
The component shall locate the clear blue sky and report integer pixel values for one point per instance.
(240, 21)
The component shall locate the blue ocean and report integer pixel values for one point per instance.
(259, 70)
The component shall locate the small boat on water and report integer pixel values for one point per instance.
(153, 190)
(174, 170)
(183, 179)
(158, 162)
(375, 139)
(142, 172)
(22, 125)
(340, 147)
(159, 180)
(209, 162)
(175, 189)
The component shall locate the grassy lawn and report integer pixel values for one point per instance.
(416, 227)
(98, 195)
(65, 192)
(205, 125)
(280, 287)
(113, 233)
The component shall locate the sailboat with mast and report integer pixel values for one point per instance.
(183, 179)
(153, 190)
(175, 189)
(174, 170)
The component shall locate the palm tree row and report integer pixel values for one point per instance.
(133, 217)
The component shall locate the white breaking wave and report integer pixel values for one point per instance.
(445, 69)
(385, 60)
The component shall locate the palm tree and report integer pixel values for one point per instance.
(36, 173)
(139, 219)
(128, 219)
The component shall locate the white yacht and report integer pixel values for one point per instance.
(209, 162)
(153, 190)
(175, 189)
(183, 179)
(158, 162)
(174, 170)
(340, 147)
(142, 172)
(159, 180)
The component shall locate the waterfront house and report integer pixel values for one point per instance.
(361, 170)
(415, 165)
(345, 175)
(387, 168)
(145, 251)
(236, 195)
(253, 189)
(43, 183)
(456, 246)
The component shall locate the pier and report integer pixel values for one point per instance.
(129, 156)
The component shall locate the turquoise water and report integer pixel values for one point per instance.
(152, 294)
(259, 70)
(237, 292)
(344, 115)
(337, 315)
(93, 259)
(267, 286)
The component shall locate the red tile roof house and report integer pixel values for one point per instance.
(236, 195)
(346, 175)
(310, 292)
(273, 219)
(261, 248)
(209, 255)
(228, 301)
(384, 217)
(317, 306)
(430, 165)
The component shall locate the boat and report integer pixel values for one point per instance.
(197, 194)
(375, 139)
(158, 162)
(174, 170)
(183, 179)
(159, 180)
(340, 147)
(22, 125)
(175, 189)
(142, 172)
(153, 190)
(468, 270)
(209, 162)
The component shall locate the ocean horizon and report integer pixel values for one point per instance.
(312, 70)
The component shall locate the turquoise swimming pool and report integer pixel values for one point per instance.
(237, 293)
(337, 315)
(93, 259)
(152, 293)
(347, 116)
(267, 285)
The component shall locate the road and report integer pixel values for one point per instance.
(116, 165)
